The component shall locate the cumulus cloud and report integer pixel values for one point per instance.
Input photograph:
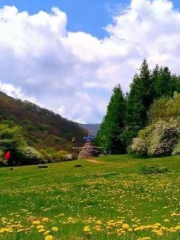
(73, 73)
(11, 91)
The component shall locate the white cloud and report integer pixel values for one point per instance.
(11, 91)
(73, 73)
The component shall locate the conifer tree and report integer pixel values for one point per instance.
(109, 135)
(175, 84)
(146, 87)
(163, 83)
(139, 100)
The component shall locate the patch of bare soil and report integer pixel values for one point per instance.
(95, 161)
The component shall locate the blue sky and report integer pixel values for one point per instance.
(83, 15)
(63, 60)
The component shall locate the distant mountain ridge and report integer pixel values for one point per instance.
(91, 128)
(41, 127)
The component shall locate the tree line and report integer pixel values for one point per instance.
(128, 113)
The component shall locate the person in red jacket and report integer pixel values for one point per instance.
(7, 156)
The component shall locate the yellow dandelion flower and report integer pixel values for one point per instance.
(86, 229)
(45, 219)
(125, 226)
(99, 222)
(70, 219)
(40, 226)
(177, 228)
(54, 229)
(49, 237)
(9, 230)
(36, 222)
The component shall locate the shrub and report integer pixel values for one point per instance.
(1, 158)
(152, 170)
(29, 155)
(60, 156)
(74, 156)
(51, 155)
(176, 150)
(11, 138)
(161, 136)
(158, 139)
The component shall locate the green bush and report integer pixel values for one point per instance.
(158, 139)
(51, 155)
(12, 139)
(1, 158)
(165, 108)
(29, 155)
(176, 150)
(46, 156)
(162, 136)
(152, 170)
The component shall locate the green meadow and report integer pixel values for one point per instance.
(108, 199)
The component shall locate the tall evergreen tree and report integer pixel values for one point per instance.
(109, 135)
(146, 87)
(154, 76)
(139, 100)
(163, 84)
(175, 84)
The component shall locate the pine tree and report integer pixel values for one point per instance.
(109, 135)
(139, 100)
(175, 84)
(119, 128)
(147, 85)
(163, 84)
(135, 112)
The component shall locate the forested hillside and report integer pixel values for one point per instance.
(42, 128)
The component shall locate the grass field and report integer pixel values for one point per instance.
(112, 200)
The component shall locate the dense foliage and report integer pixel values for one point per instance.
(33, 134)
(139, 100)
(109, 135)
(146, 87)
(161, 136)
(12, 139)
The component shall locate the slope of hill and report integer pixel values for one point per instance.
(91, 128)
(42, 128)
